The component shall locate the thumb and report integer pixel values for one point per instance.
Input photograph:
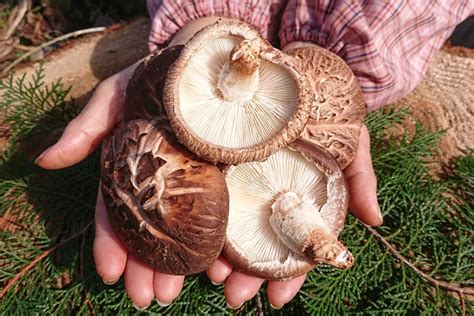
(84, 133)
(362, 184)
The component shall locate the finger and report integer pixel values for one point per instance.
(281, 292)
(110, 255)
(167, 287)
(240, 287)
(219, 271)
(139, 283)
(84, 133)
(362, 184)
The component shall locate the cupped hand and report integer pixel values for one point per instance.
(142, 283)
(80, 138)
(362, 186)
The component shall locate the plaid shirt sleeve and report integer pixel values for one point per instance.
(388, 44)
(168, 16)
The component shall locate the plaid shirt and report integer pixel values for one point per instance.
(388, 44)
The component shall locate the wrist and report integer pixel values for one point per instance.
(192, 27)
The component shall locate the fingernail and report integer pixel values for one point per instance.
(41, 156)
(140, 308)
(380, 218)
(375, 210)
(110, 282)
(379, 213)
(216, 283)
(235, 307)
(276, 307)
(163, 304)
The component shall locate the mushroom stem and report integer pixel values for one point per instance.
(324, 248)
(301, 228)
(238, 80)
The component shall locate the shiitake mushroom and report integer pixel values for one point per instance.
(231, 98)
(286, 213)
(168, 207)
(338, 109)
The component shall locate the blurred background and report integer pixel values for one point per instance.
(25, 24)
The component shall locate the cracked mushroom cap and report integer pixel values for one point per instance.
(338, 110)
(231, 97)
(168, 207)
(286, 213)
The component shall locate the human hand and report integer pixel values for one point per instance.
(143, 284)
(80, 138)
(361, 181)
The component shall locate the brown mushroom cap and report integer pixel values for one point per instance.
(168, 207)
(144, 94)
(231, 97)
(338, 111)
(286, 212)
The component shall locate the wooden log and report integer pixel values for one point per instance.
(84, 62)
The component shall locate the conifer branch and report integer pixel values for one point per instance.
(91, 308)
(375, 286)
(461, 291)
(40, 257)
(259, 304)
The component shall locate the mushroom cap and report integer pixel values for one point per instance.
(144, 94)
(239, 130)
(338, 110)
(168, 207)
(251, 244)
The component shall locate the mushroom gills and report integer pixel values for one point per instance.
(230, 97)
(279, 212)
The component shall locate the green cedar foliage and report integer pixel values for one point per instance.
(430, 222)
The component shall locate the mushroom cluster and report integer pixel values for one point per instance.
(229, 145)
